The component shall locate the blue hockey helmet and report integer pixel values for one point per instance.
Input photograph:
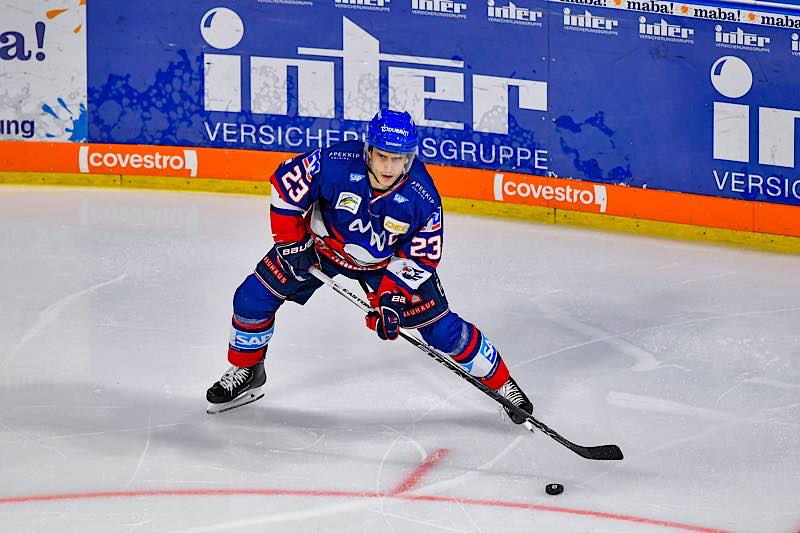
(393, 131)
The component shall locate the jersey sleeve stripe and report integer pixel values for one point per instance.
(289, 211)
(280, 203)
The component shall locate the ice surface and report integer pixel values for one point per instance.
(115, 308)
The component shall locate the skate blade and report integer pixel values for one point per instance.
(248, 397)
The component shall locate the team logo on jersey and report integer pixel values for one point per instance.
(311, 163)
(434, 223)
(348, 201)
(395, 226)
(408, 271)
(411, 274)
(357, 177)
(399, 199)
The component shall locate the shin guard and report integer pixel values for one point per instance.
(468, 347)
(248, 341)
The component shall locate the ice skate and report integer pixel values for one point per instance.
(238, 386)
(511, 391)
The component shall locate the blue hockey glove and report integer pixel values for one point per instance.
(297, 257)
(385, 319)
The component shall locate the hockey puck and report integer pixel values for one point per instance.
(554, 488)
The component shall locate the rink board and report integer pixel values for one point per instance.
(248, 171)
(671, 96)
(565, 121)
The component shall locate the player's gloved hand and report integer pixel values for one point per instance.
(297, 257)
(385, 319)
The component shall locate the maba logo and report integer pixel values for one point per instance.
(13, 45)
(121, 160)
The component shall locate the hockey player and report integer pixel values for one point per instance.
(368, 211)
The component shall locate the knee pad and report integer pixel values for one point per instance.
(446, 334)
(468, 347)
(253, 301)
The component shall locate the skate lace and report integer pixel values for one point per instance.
(234, 377)
(513, 394)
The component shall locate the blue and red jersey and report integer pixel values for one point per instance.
(327, 193)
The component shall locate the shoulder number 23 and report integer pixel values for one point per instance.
(420, 246)
(294, 183)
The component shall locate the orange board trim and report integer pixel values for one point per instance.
(453, 182)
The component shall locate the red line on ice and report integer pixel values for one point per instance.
(354, 494)
(414, 477)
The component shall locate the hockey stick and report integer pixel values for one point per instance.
(607, 452)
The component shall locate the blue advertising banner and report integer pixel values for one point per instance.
(653, 94)
(701, 104)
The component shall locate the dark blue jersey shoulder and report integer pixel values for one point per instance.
(421, 183)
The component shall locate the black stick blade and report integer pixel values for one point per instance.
(607, 452)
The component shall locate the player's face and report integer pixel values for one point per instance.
(385, 168)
